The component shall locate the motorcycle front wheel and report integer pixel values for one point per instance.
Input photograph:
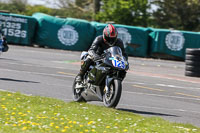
(112, 98)
(76, 93)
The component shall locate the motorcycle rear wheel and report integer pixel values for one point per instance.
(111, 100)
(76, 93)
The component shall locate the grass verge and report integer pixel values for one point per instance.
(33, 114)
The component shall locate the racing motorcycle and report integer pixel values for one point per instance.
(103, 81)
(2, 47)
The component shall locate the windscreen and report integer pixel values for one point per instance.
(114, 51)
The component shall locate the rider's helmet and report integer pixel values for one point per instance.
(110, 35)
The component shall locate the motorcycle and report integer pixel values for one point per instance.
(3, 48)
(103, 81)
(1, 45)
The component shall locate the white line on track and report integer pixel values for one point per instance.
(177, 97)
(173, 86)
(163, 85)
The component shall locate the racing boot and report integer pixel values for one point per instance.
(84, 68)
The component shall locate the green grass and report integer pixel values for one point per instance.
(30, 114)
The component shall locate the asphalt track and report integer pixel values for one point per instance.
(151, 88)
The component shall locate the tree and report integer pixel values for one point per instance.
(14, 6)
(178, 14)
(76, 8)
(129, 12)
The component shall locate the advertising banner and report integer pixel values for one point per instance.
(173, 42)
(18, 29)
(67, 34)
(135, 39)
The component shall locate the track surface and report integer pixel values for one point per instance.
(151, 88)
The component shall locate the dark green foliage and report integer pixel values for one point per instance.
(178, 14)
(129, 12)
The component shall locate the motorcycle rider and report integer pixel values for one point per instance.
(101, 43)
(5, 45)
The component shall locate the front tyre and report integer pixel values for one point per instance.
(112, 98)
(76, 93)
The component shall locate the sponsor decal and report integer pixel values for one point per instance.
(124, 35)
(67, 35)
(175, 40)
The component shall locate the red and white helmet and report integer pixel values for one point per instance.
(110, 35)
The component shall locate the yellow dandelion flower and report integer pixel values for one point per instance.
(9, 94)
(74, 122)
(125, 130)
(24, 128)
(7, 114)
(3, 99)
(14, 125)
(81, 132)
(86, 130)
(20, 113)
(66, 127)
(90, 122)
(70, 122)
(18, 98)
(81, 125)
(14, 108)
(57, 127)
(13, 113)
(51, 124)
(64, 130)
(19, 125)
(24, 122)
(93, 130)
(33, 123)
(24, 115)
(62, 123)
(107, 126)
(61, 118)
(28, 111)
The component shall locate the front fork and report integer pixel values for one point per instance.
(119, 75)
(107, 85)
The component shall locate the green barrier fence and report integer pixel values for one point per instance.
(67, 34)
(135, 39)
(18, 29)
(173, 42)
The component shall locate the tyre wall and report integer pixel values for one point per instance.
(172, 43)
(135, 39)
(192, 62)
(67, 34)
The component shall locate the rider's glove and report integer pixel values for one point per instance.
(93, 55)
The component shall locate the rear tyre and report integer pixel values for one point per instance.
(193, 58)
(192, 74)
(192, 63)
(76, 93)
(190, 51)
(112, 99)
